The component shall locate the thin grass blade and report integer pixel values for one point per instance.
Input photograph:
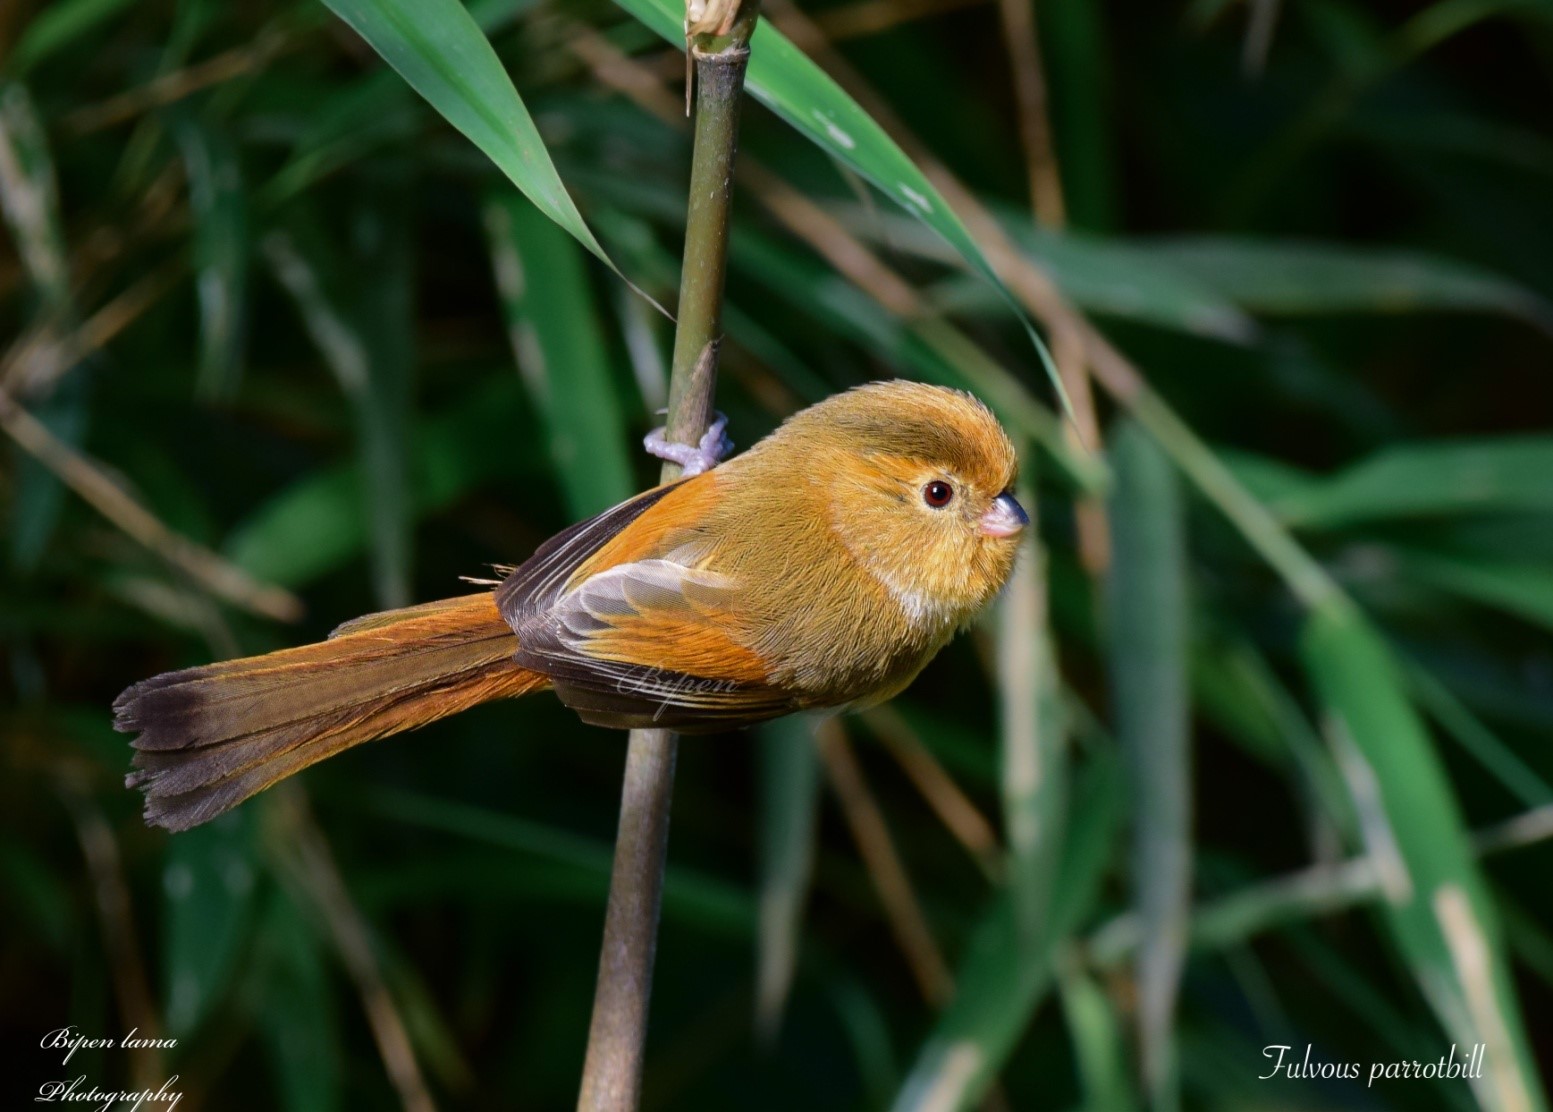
(1147, 619)
(1501, 762)
(384, 305)
(219, 205)
(553, 324)
(1099, 1047)
(361, 330)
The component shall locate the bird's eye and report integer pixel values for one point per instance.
(938, 494)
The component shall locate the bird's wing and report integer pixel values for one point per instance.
(634, 626)
(533, 588)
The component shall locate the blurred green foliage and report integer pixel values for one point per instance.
(277, 340)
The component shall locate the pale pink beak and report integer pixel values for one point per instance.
(1004, 518)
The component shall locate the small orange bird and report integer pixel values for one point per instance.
(823, 568)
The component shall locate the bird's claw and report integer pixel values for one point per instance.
(692, 458)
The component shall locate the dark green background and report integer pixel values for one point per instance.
(1343, 257)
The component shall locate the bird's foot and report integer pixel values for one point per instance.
(692, 458)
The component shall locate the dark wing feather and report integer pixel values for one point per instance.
(533, 587)
(651, 643)
(647, 641)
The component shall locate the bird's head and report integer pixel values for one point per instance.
(918, 483)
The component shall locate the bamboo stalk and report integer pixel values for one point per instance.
(612, 1071)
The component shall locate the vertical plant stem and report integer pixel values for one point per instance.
(612, 1071)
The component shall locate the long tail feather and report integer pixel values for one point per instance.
(210, 737)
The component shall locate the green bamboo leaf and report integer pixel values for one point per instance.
(996, 996)
(209, 888)
(438, 48)
(1506, 473)
(553, 325)
(1147, 612)
(1436, 903)
(786, 81)
(1098, 1044)
(1230, 686)
(219, 205)
(1528, 536)
(789, 828)
(1293, 277)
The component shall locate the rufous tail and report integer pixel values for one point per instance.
(210, 737)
